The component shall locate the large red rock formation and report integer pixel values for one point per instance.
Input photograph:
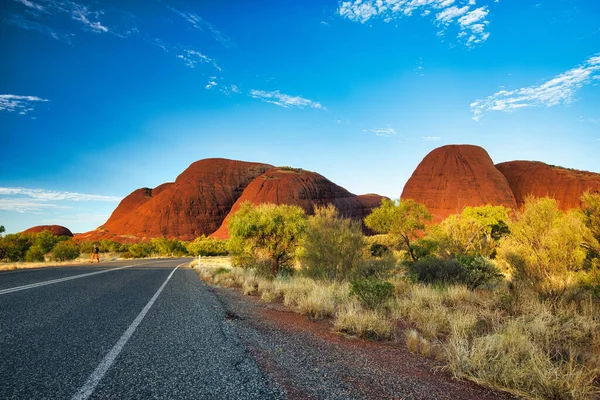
(195, 204)
(455, 176)
(56, 230)
(304, 189)
(542, 180)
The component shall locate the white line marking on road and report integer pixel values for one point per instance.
(90, 385)
(68, 278)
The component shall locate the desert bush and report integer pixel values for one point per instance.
(510, 358)
(35, 253)
(273, 230)
(108, 246)
(64, 251)
(480, 271)
(437, 270)
(404, 219)
(476, 231)
(140, 250)
(168, 247)
(352, 319)
(14, 246)
(544, 250)
(372, 293)
(333, 246)
(207, 246)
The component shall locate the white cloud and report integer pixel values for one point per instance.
(20, 104)
(211, 83)
(31, 4)
(192, 58)
(199, 23)
(23, 205)
(82, 14)
(383, 132)
(431, 137)
(27, 24)
(78, 12)
(471, 22)
(284, 100)
(51, 195)
(557, 90)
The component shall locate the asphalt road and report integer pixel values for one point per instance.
(151, 330)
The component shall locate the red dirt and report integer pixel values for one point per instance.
(542, 180)
(304, 189)
(56, 230)
(372, 370)
(453, 177)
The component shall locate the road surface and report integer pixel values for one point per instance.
(146, 329)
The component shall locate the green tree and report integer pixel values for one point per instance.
(2, 230)
(405, 219)
(476, 231)
(274, 230)
(169, 247)
(45, 241)
(14, 246)
(207, 246)
(65, 250)
(546, 247)
(333, 246)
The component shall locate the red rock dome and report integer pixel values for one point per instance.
(455, 176)
(543, 180)
(304, 189)
(56, 230)
(195, 204)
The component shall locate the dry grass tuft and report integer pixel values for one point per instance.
(354, 320)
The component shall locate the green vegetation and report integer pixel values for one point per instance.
(267, 232)
(206, 246)
(509, 299)
(65, 251)
(405, 219)
(333, 247)
(372, 293)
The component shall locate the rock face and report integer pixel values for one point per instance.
(542, 180)
(56, 230)
(304, 189)
(455, 176)
(195, 204)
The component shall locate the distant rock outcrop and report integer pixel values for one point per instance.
(304, 189)
(455, 176)
(56, 230)
(195, 204)
(542, 180)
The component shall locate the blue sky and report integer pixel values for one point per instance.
(99, 98)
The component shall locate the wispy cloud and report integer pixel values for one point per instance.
(51, 195)
(90, 19)
(31, 5)
(78, 12)
(199, 23)
(284, 100)
(382, 132)
(557, 90)
(24, 205)
(431, 138)
(470, 21)
(20, 104)
(24, 23)
(192, 58)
